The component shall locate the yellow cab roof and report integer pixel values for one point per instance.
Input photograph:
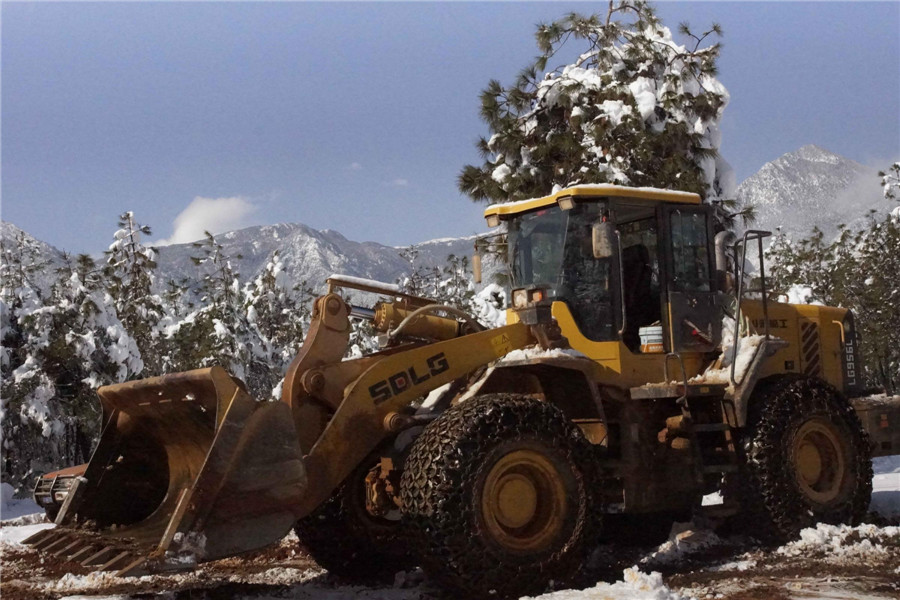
(592, 190)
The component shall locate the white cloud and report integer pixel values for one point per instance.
(400, 182)
(215, 215)
(355, 166)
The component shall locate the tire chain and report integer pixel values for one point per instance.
(773, 503)
(350, 546)
(444, 463)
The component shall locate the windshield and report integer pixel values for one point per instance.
(536, 243)
(552, 247)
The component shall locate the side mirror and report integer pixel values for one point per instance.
(476, 266)
(603, 236)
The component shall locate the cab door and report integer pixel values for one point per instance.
(695, 311)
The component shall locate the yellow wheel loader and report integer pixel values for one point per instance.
(491, 457)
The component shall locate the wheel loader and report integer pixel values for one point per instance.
(637, 372)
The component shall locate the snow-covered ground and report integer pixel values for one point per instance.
(826, 562)
(886, 486)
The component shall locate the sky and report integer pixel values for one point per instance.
(358, 117)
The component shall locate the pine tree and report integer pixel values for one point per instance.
(71, 343)
(635, 108)
(278, 313)
(859, 270)
(218, 332)
(890, 181)
(130, 275)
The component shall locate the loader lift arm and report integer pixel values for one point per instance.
(371, 389)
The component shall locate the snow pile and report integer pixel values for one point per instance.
(279, 576)
(684, 539)
(14, 508)
(538, 352)
(87, 583)
(840, 543)
(635, 585)
(747, 348)
(801, 294)
(490, 306)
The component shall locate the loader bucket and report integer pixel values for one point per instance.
(188, 468)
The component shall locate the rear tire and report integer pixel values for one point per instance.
(807, 459)
(500, 495)
(353, 545)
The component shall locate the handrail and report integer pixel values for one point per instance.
(621, 280)
(741, 246)
(683, 370)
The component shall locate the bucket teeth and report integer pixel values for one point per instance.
(98, 558)
(69, 548)
(82, 553)
(117, 562)
(52, 542)
(35, 539)
(135, 568)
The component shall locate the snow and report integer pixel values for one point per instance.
(386, 287)
(537, 352)
(12, 508)
(684, 539)
(886, 486)
(501, 173)
(605, 188)
(15, 534)
(838, 542)
(747, 347)
(635, 585)
(490, 304)
(801, 294)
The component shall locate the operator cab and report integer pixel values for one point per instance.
(621, 259)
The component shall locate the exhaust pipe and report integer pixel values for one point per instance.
(722, 240)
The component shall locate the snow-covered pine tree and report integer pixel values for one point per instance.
(72, 343)
(450, 284)
(24, 409)
(859, 270)
(218, 331)
(130, 273)
(20, 294)
(634, 108)
(890, 181)
(279, 313)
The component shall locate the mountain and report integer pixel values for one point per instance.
(812, 187)
(15, 240)
(310, 255)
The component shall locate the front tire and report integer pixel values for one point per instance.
(353, 545)
(499, 493)
(807, 459)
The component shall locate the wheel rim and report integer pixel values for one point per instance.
(819, 461)
(524, 501)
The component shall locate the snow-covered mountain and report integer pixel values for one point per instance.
(812, 187)
(310, 255)
(14, 239)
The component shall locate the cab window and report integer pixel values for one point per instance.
(690, 252)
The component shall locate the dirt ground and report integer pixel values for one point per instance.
(720, 569)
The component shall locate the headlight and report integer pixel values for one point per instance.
(520, 298)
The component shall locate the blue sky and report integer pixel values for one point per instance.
(358, 116)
